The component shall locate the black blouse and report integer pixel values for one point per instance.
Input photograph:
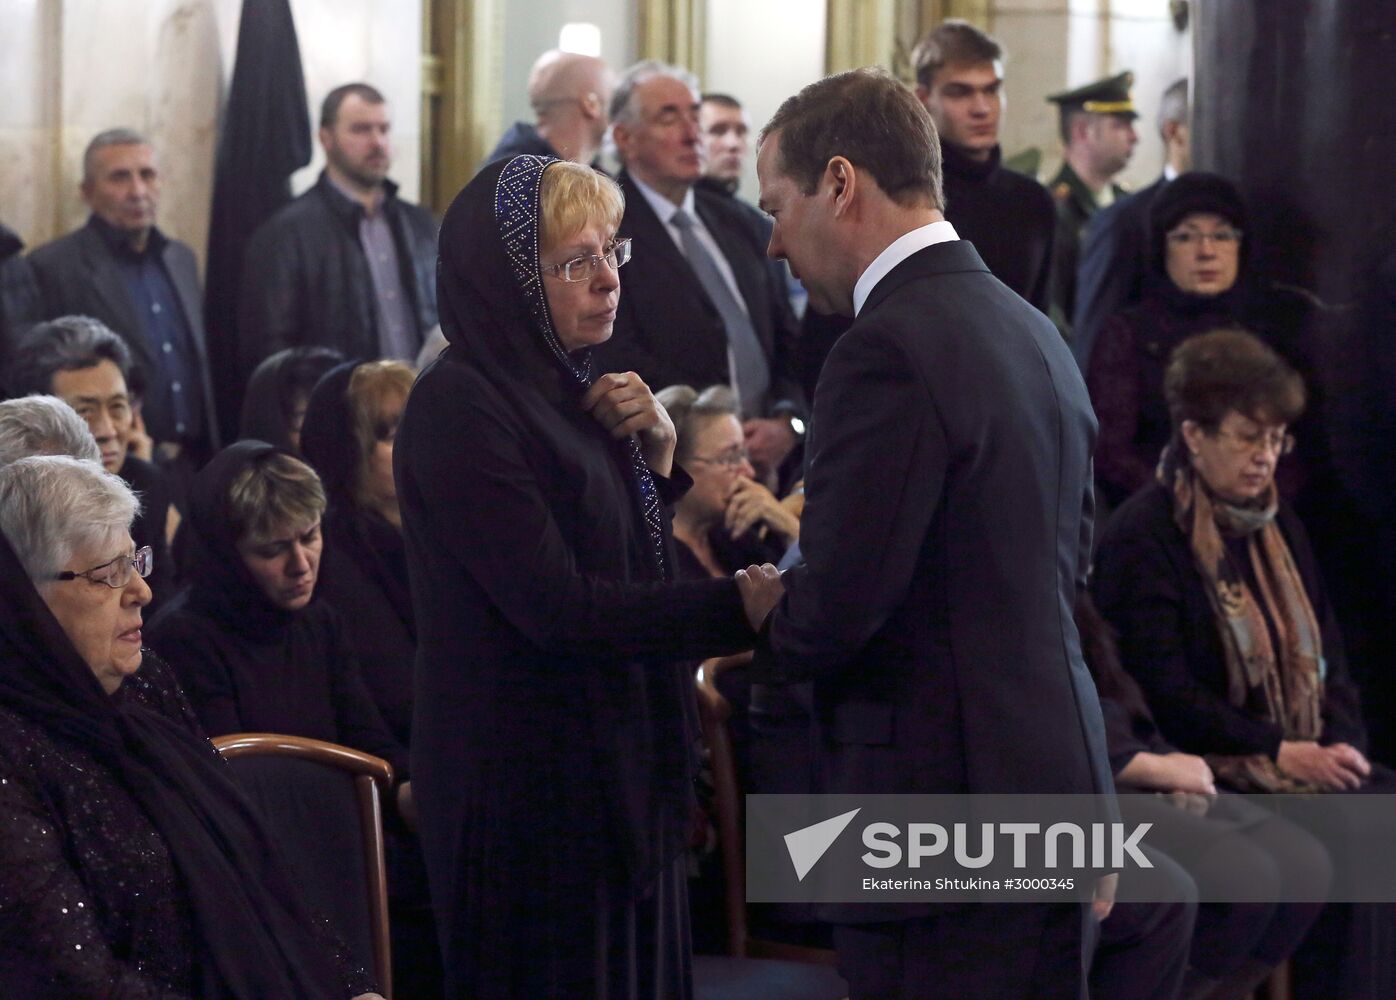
(90, 902)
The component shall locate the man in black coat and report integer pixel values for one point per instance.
(348, 264)
(570, 95)
(1115, 248)
(19, 297)
(699, 303)
(946, 535)
(121, 269)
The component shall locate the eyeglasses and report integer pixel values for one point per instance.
(583, 267)
(1187, 237)
(1277, 441)
(118, 571)
(731, 459)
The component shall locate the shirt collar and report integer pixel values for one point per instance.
(1169, 174)
(897, 251)
(663, 207)
(119, 244)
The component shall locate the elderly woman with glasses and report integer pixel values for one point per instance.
(727, 520)
(1194, 284)
(554, 724)
(129, 864)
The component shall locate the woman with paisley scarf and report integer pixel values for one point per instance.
(1209, 579)
(554, 728)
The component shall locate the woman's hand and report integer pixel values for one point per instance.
(1335, 767)
(761, 589)
(624, 405)
(750, 504)
(138, 442)
(1170, 772)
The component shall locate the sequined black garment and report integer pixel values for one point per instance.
(90, 902)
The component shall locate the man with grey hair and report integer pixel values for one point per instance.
(570, 95)
(43, 425)
(120, 268)
(701, 305)
(1114, 250)
(83, 363)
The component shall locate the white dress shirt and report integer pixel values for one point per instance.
(897, 251)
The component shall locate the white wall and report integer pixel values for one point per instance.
(71, 68)
(742, 60)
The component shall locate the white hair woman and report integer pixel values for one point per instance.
(129, 865)
(43, 425)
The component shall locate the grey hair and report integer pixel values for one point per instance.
(44, 425)
(100, 141)
(65, 344)
(690, 411)
(1173, 105)
(623, 99)
(53, 506)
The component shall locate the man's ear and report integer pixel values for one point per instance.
(841, 177)
(326, 137)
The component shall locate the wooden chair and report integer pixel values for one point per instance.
(323, 804)
(783, 969)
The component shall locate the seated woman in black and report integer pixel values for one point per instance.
(251, 648)
(348, 436)
(727, 520)
(1208, 578)
(130, 866)
(278, 392)
(1227, 845)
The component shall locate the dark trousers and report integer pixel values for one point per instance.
(1141, 949)
(979, 952)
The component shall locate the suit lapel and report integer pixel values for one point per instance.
(186, 286)
(105, 282)
(653, 240)
(748, 282)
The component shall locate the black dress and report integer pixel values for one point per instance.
(130, 866)
(553, 735)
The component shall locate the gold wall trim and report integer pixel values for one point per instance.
(675, 31)
(462, 92)
(861, 33)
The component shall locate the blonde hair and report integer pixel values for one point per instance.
(371, 386)
(275, 493)
(572, 197)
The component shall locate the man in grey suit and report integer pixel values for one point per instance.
(946, 532)
(121, 269)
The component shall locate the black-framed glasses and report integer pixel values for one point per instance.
(1277, 441)
(731, 458)
(582, 268)
(1226, 236)
(115, 573)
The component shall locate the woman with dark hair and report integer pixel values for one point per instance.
(1194, 284)
(273, 407)
(555, 725)
(130, 865)
(1209, 580)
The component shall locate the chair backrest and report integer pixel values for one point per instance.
(715, 713)
(322, 803)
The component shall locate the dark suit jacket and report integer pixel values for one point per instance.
(77, 275)
(1110, 274)
(945, 538)
(667, 328)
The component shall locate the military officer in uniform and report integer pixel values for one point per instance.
(1098, 137)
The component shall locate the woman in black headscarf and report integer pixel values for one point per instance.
(253, 649)
(554, 732)
(350, 424)
(129, 864)
(274, 404)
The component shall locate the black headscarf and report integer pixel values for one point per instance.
(253, 935)
(1188, 193)
(485, 285)
(220, 584)
(330, 444)
(270, 399)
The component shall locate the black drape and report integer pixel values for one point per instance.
(266, 137)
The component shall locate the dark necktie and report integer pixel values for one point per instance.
(750, 371)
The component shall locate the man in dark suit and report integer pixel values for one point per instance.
(121, 269)
(1115, 248)
(699, 304)
(946, 533)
